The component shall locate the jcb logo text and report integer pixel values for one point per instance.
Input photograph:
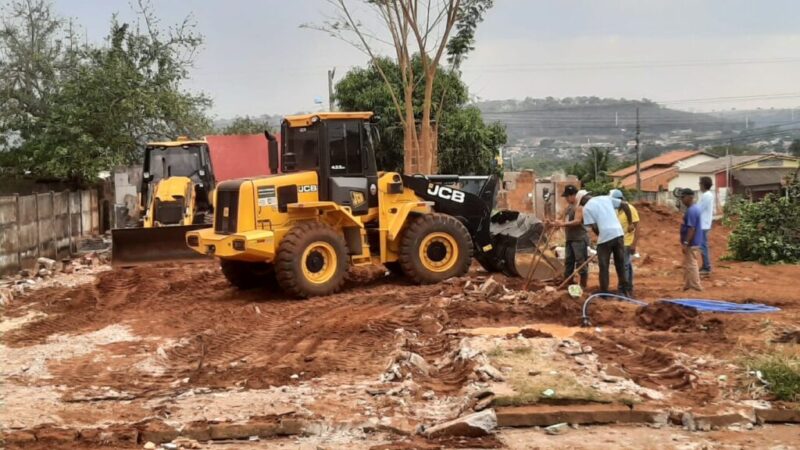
(446, 193)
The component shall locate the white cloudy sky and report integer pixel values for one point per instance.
(700, 54)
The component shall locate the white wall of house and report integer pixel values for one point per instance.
(689, 179)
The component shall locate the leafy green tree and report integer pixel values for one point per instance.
(247, 125)
(463, 138)
(467, 145)
(595, 166)
(115, 99)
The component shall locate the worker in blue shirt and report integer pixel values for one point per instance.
(691, 240)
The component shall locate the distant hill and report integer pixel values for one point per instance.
(592, 116)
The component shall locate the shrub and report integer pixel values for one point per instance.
(782, 372)
(767, 231)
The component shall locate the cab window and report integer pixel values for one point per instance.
(345, 147)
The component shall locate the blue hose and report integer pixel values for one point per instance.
(701, 305)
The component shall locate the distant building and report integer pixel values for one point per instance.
(752, 176)
(661, 173)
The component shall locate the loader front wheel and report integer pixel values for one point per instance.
(435, 247)
(312, 260)
(248, 275)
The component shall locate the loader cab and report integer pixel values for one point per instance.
(180, 158)
(340, 148)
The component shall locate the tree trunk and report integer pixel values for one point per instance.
(426, 140)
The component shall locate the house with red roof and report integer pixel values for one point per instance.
(661, 173)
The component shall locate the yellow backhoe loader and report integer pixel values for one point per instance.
(175, 198)
(327, 207)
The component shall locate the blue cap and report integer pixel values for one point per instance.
(616, 193)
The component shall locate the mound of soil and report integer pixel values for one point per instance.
(531, 333)
(662, 316)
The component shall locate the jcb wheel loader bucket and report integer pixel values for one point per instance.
(136, 246)
(514, 238)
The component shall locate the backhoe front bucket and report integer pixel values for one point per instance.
(136, 246)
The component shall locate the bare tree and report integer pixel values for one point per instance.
(409, 27)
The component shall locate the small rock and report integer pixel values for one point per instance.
(46, 263)
(294, 376)
(491, 288)
(534, 373)
(483, 403)
(150, 446)
(490, 372)
(748, 426)
(559, 428)
(549, 289)
(44, 273)
(687, 420)
(169, 446)
(722, 378)
(428, 395)
(548, 393)
(472, 425)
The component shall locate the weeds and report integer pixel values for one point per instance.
(781, 372)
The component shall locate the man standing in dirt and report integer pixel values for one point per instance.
(707, 216)
(577, 240)
(601, 213)
(631, 230)
(691, 240)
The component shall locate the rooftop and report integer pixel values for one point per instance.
(667, 159)
(721, 164)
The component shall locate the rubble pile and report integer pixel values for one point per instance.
(48, 272)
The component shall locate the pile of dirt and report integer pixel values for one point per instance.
(663, 316)
(530, 333)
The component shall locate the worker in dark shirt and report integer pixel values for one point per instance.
(691, 240)
(577, 241)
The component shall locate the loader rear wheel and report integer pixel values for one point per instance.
(312, 260)
(248, 275)
(435, 247)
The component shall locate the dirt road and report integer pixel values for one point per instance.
(175, 343)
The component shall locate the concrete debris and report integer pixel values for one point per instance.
(559, 428)
(473, 425)
(487, 372)
(428, 395)
(490, 288)
(483, 403)
(149, 446)
(46, 264)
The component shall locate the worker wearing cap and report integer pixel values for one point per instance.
(577, 240)
(631, 237)
(601, 214)
(691, 240)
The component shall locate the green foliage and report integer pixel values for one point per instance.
(470, 14)
(782, 372)
(466, 143)
(247, 125)
(767, 231)
(735, 150)
(108, 101)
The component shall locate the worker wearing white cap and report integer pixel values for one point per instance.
(601, 214)
(631, 230)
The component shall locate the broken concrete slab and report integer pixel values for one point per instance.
(559, 428)
(546, 415)
(472, 425)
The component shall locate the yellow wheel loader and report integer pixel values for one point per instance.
(327, 207)
(175, 198)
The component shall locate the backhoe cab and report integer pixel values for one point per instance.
(327, 207)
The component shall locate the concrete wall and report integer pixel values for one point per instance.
(48, 225)
(516, 192)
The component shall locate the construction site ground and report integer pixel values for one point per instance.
(119, 358)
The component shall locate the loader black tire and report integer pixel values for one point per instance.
(434, 248)
(248, 275)
(312, 260)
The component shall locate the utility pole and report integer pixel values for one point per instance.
(638, 162)
(331, 73)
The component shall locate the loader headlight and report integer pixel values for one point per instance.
(238, 244)
(193, 241)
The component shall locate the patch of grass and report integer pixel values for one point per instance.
(781, 369)
(550, 374)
